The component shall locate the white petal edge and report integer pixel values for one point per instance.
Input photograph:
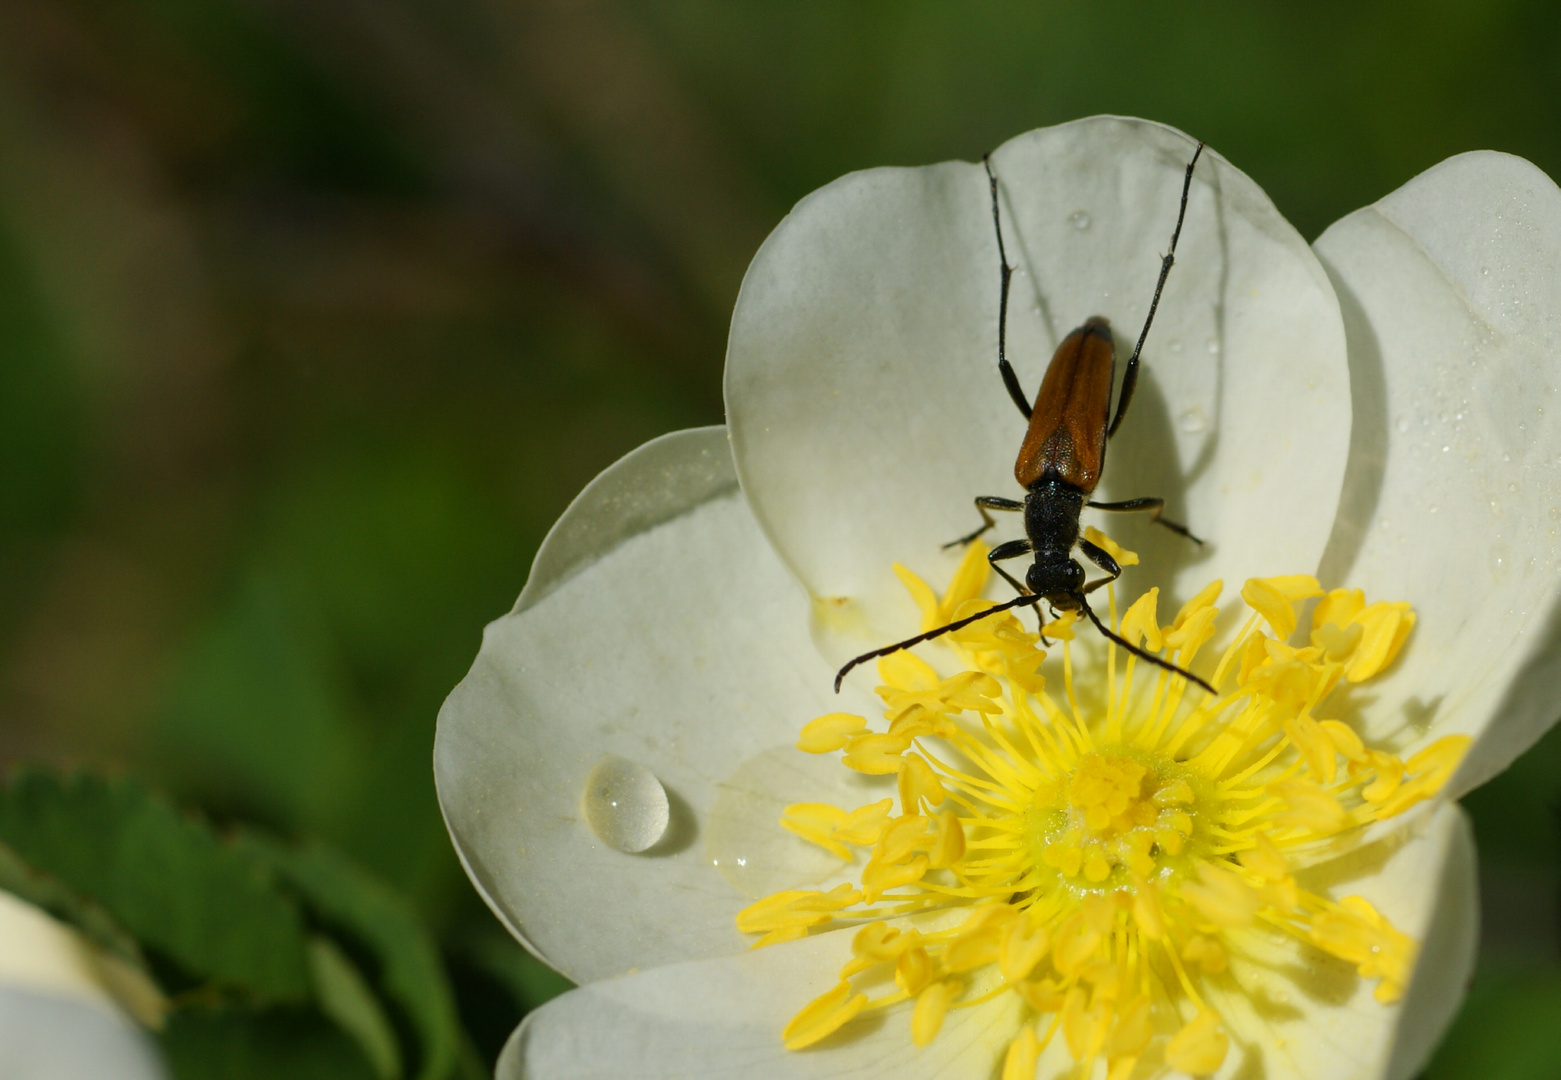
(1451, 289)
(684, 648)
(865, 405)
(44, 1037)
(722, 1017)
(60, 1012)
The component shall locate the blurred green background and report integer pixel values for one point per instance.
(313, 317)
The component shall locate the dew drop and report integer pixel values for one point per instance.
(1192, 420)
(625, 805)
(1500, 561)
(1079, 220)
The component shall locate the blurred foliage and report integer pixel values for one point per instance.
(313, 317)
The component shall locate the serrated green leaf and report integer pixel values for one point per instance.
(52, 895)
(411, 975)
(165, 877)
(345, 997)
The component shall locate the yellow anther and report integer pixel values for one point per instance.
(1132, 1031)
(918, 721)
(1023, 1053)
(1387, 626)
(879, 877)
(823, 1016)
(900, 837)
(974, 948)
(1207, 953)
(969, 578)
(795, 907)
(921, 593)
(1074, 944)
(1024, 944)
(1390, 773)
(878, 942)
(816, 823)
(864, 825)
(1176, 793)
(1435, 765)
(1338, 608)
(778, 937)
(1356, 932)
(1123, 556)
(1275, 599)
(1171, 842)
(1265, 860)
(1254, 655)
(1309, 807)
(1344, 739)
(1204, 599)
(1096, 868)
(918, 782)
(1199, 1048)
(913, 969)
(1138, 624)
(876, 755)
(1189, 636)
(1084, 1026)
(1221, 897)
(1314, 746)
(830, 732)
(932, 1004)
(1338, 642)
(948, 846)
(905, 672)
(1146, 910)
(1042, 995)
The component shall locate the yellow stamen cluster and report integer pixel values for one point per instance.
(1102, 856)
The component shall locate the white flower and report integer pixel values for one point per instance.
(65, 1005)
(1374, 410)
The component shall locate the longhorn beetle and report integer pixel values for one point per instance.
(1060, 462)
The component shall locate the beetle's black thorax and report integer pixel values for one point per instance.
(1051, 518)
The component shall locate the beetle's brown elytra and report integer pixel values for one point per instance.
(1061, 459)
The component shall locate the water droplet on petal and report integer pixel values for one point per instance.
(625, 805)
(1079, 220)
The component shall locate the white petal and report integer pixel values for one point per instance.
(1451, 288)
(723, 1017)
(44, 1037)
(683, 649)
(865, 405)
(1303, 1015)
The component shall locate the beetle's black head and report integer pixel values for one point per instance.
(1060, 580)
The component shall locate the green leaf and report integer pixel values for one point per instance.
(345, 997)
(1509, 1029)
(49, 893)
(276, 1044)
(164, 877)
(359, 905)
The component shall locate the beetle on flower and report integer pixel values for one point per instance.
(1365, 422)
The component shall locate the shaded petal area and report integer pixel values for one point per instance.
(1451, 289)
(866, 409)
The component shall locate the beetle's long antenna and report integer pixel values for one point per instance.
(1130, 376)
(1010, 380)
(1141, 653)
(1018, 601)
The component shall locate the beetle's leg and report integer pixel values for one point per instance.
(983, 504)
(1010, 380)
(1130, 376)
(1155, 505)
(1102, 559)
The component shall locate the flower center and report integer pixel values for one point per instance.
(1104, 863)
(1112, 818)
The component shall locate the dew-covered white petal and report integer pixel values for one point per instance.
(681, 648)
(1451, 292)
(862, 388)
